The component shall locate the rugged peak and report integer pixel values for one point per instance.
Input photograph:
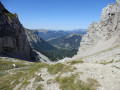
(103, 31)
(1, 7)
(117, 2)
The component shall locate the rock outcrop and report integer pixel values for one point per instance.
(13, 40)
(38, 44)
(104, 34)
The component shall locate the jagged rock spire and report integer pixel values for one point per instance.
(1, 7)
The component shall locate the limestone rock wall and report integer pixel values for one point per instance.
(105, 29)
(13, 40)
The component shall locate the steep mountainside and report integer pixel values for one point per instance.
(104, 35)
(13, 40)
(68, 42)
(51, 34)
(37, 42)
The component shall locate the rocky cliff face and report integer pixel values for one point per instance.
(103, 34)
(13, 40)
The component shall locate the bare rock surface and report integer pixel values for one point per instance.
(13, 40)
(104, 34)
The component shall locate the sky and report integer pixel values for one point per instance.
(57, 14)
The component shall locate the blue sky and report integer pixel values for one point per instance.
(57, 14)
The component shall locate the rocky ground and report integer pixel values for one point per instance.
(102, 75)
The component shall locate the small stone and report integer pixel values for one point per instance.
(14, 65)
(39, 74)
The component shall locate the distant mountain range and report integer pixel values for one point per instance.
(67, 42)
(52, 34)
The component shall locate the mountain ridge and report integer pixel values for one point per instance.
(67, 42)
(13, 40)
(52, 34)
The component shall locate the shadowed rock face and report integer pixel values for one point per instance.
(107, 28)
(13, 40)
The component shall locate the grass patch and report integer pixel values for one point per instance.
(116, 67)
(9, 14)
(7, 65)
(75, 62)
(54, 69)
(39, 87)
(50, 81)
(117, 61)
(10, 77)
(20, 75)
(104, 63)
(38, 79)
(69, 83)
(66, 69)
(92, 83)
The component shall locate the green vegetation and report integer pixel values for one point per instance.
(39, 87)
(54, 69)
(38, 79)
(6, 65)
(71, 83)
(71, 41)
(10, 76)
(66, 69)
(18, 75)
(9, 14)
(50, 81)
(117, 61)
(58, 54)
(116, 67)
(75, 62)
(93, 83)
(104, 63)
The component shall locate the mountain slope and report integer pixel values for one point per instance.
(105, 34)
(13, 40)
(51, 34)
(68, 42)
(37, 42)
